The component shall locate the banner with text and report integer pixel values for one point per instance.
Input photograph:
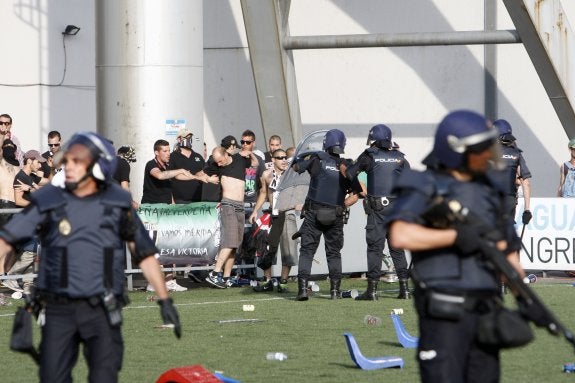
(185, 234)
(549, 239)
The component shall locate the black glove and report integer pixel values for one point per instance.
(468, 239)
(170, 315)
(533, 313)
(471, 235)
(526, 217)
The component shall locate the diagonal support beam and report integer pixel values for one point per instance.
(549, 41)
(274, 75)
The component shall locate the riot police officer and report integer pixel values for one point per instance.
(514, 172)
(83, 227)
(328, 195)
(382, 165)
(453, 284)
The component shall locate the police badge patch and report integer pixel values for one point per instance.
(64, 227)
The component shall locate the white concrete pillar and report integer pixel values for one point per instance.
(149, 70)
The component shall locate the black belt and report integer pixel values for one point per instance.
(385, 200)
(56, 299)
(315, 206)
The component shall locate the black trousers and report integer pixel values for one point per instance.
(375, 236)
(69, 324)
(448, 351)
(311, 231)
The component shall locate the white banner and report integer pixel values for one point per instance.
(549, 239)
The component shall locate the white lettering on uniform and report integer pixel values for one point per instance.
(387, 160)
(331, 168)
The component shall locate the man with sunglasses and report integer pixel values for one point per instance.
(253, 186)
(54, 141)
(6, 130)
(283, 226)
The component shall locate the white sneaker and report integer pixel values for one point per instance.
(172, 285)
(150, 288)
(12, 284)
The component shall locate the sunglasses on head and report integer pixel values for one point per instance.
(244, 142)
(281, 158)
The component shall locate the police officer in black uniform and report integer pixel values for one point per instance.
(83, 228)
(514, 171)
(382, 165)
(453, 284)
(328, 195)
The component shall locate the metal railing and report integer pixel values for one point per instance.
(129, 271)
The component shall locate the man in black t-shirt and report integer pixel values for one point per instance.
(212, 192)
(54, 142)
(253, 187)
(185, 158)
(157, 175)
(26, 180)
(126, 154)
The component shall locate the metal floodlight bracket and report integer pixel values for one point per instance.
(71, 30)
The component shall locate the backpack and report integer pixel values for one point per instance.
(568, 187)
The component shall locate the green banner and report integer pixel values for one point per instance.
(185, 234)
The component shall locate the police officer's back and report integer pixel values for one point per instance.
(514, 171)
(383, 165)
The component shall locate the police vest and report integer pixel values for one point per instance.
(327, 187)
(510, 156)
(83, 253)
(386, 166)
(443, 269)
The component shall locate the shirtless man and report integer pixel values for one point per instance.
(283, 225)
(8, 170)
(231, 171)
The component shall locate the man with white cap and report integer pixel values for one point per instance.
(29, 178)
(183, 157)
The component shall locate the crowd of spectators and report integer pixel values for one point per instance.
(175, 175)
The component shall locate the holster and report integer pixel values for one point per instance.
(326, 216)
(378, 203)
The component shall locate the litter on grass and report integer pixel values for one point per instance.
(239, 320)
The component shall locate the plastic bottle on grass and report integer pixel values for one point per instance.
(280, 356)
(312, 286)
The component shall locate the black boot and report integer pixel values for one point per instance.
(371, 293)
(334, 290)
(404, 289)
(302, 289)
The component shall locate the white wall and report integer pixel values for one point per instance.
(32, 46)
(409, 89)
